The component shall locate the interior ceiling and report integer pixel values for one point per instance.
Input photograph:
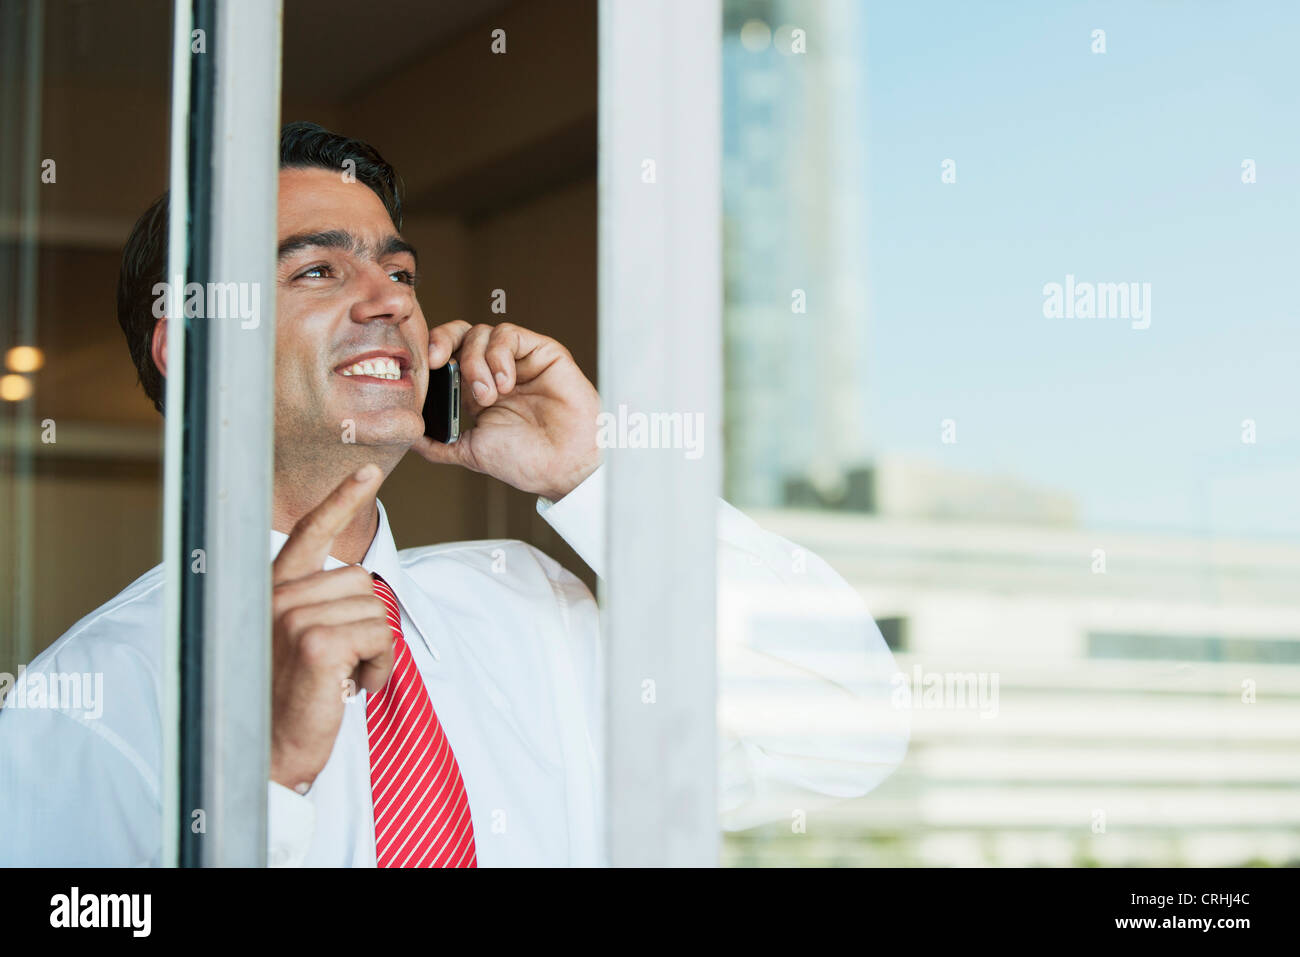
(332, 48)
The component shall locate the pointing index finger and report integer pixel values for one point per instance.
(309, 542)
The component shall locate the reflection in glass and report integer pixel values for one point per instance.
(1074, 531)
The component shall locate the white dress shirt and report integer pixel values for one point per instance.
(508, 644)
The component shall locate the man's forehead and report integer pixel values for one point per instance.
(316, 200)
(318, 208)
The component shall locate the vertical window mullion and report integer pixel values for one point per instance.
(660, 300)
(220, 424)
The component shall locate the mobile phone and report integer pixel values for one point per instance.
(442, 404)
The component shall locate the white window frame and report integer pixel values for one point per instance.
(219, 437)
(660, 315)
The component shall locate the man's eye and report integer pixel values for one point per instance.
(314, 269)
(404, 275)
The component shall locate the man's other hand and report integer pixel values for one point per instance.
(534, 411)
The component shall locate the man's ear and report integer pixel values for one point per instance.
(158, 348)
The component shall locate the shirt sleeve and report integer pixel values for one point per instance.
(72, 796)
(806, 714)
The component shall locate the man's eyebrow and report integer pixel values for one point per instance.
(396, 244)
(329, 239)
(342, 239)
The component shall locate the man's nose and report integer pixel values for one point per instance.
(380, 298)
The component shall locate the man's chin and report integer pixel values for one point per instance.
(389, 428)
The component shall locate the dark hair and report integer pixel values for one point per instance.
(144, 258)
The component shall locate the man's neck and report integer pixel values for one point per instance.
(293, 498)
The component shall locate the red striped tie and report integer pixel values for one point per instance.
(422, 814)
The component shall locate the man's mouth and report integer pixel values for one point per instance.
(385, 366)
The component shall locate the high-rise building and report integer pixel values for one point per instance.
(794, 246)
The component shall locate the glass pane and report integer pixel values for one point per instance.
(84, 117)
(486, 114)
(1009, 344)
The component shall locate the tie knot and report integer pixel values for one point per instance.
(389, 598)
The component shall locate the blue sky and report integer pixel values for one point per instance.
(1122, 166)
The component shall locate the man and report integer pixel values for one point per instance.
(474, 733)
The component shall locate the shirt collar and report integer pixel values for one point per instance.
(381, 558)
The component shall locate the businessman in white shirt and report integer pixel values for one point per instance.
(439, 706)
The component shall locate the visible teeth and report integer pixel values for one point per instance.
(383, 367)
